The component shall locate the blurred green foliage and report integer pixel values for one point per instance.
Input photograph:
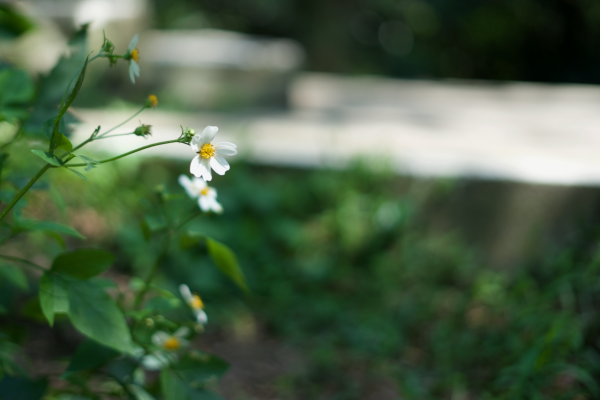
(531, 40)
(347, 268)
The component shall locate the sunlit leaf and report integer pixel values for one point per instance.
(227, 262)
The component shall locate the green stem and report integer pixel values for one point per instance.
(23, 191)
(23, 261)
(188, 219)
(140, 296)
(126, 154)
(124, 122)
(119, 134)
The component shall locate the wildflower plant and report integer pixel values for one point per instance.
(131, 333)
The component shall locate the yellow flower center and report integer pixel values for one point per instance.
(153, 100)
(135, 54)
(204, 192)
(172, 343)
(207, 151)
(196, 303)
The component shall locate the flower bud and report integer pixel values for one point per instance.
(151, 101)
(143, 130)
(108, 47)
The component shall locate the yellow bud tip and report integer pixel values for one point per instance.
(135, 55)
(152, 100)
(172, 343)
(196, 303)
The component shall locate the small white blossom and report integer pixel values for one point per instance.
(197, 188)
(171, 342)
(133, 55)
(195, 303)
(210, 155)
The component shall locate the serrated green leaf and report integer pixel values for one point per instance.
(225, 259)
(53, 296)
(95, 314)
(83, 263)
(58, 139)
(49, 158)
(89, 354)
(52, 87)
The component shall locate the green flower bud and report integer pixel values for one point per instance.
(143, 130)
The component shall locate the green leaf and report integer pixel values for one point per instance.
(49, 226)
(16, 91)
(49, 158)
(83, 263)
(227, 262)
(21, 388)
(89, 354)
(95, 314)
(79, 174)
(53, 296)
(59, 140)
(62, 142)
(14, 275)
(13, 22)
(52, 87)
(190, 239)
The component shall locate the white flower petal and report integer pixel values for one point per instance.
(223, 162)
(199, 184)
(159, 337)
(211, 193)
(196, 142)
(188, 185)
(208, 134)
(217, 166)
(196, 168)
(204, 203)
(134, 70)
(134, 42)
(186, 293)
(201, 317)
(216, 206)
(226, 151)
(205, 165)
(182, 332)
(226, 144)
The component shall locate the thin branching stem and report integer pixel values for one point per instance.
(123, 123)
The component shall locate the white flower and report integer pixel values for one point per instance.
(197, 188)
(195, 303)
(210, 155)
(154, 361)
(171, 342)
(133, 54)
